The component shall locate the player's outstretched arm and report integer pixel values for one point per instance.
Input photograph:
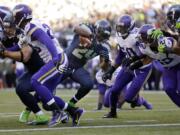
(23, 55)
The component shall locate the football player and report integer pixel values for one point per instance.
(104, 92)
(137, 74)
(78, 55)
(170, 61)
(29, 56)
(173, 21)
(46, 79)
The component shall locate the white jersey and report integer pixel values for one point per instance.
(108, 82)
(167, 60)
(43, 51)
(129, 45)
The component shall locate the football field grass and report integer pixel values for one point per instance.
(164, 119)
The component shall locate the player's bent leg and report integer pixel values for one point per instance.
(121, 81)
(83, 78)
(170, 80)
(23, 90)
(48, 75)
(132, 92)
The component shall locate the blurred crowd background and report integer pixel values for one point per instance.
(63, 15)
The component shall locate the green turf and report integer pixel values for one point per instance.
(138, 121)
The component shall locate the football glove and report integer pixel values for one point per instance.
(177, 26)
(108, 74)
(135, 65)
(126, 62)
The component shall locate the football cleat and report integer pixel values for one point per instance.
(64, 118)
(147, 105)
(76, 116)
(39, 120)
(56, 118)
(110, 115)
(24, 116)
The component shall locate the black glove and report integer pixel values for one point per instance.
(108, 74)
(135, 65)
(126, 62)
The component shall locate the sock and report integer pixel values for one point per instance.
(82, 91)
(39, 113)
(55, 107)
(73, 100)
(113, 101)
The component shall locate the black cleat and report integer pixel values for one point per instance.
(110, 115)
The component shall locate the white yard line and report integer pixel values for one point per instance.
(104, 111)
(91, 127)
(140, 121)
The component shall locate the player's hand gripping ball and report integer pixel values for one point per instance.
(85, 42)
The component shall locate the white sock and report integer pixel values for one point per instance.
(39, 113)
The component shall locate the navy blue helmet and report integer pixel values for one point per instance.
(173, 15)
(8, 20)
(124, 25)
(103, 29)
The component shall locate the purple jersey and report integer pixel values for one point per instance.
(167, 60)
(40, 37)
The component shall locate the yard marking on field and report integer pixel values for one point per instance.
(92, 127)
(138, 109)
(104, 111)
(140, 121)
